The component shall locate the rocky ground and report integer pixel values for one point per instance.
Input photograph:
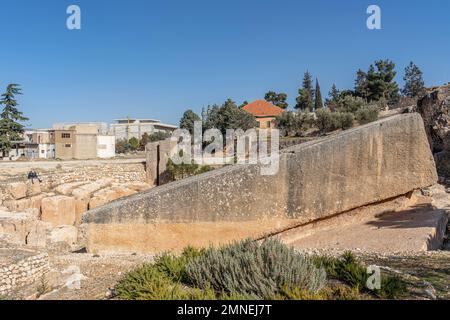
(98, 274)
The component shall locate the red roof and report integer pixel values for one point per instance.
(262, 108)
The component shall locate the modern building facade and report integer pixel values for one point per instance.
(39, 144)
(135, 128)
(83, 141)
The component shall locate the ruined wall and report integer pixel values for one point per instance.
(317, 179)
(19, 268)
(57, 173)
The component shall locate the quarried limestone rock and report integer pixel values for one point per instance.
(18, 190)
(58, 210)
(317, 179)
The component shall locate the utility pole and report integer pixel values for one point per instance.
(128, 128)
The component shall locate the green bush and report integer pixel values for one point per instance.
(260, 270)
(367, 114)
(343, 120)
(350, 271)
(325, 121)
(294, 123)
(350, 104)
(147, 283)
(174, 267)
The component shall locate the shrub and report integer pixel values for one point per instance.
(350, 104)
(122, 146)
(147, 283)
(260, 270)
(294, 123)
(351, 272)
(325, 121)
(343, 120)
(174, 267)
(391, 287)
(367, 114)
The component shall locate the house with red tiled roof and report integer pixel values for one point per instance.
(264, 112)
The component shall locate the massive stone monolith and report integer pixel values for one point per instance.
(318, 179)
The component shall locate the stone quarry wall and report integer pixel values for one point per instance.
(318, 179)
(120, 171)
(435, 111)
(19, 268)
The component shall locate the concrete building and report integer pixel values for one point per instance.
(81, 141)
(264, 112)
(39, 144)
(129, 128)
(106, 146)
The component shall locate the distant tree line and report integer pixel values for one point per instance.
(374, 90)
(133, 144)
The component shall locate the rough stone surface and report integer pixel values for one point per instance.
(364, 165)
(401, 225)
(58, 210)
(105, 196)
(21, 267)
(435, 111)
(65, 236)
(18, 190)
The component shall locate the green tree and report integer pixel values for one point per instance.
(243, 104)
(144, 140)
(122, 146)
(134, 144)
(332, 101)
(378, 83)
(318, 104)
(414, 84)
(10, 127)
(188, 119)
(305, 99)
(294, 123)
(228, 116)
(277, 99)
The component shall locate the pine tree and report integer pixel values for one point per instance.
(414, 84)
(10, 127)
(305, 99)
(277, 99)
(331, 102)
(378, 83)
(188, 119)
(318, 102)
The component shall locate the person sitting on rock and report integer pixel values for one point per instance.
(32, 175)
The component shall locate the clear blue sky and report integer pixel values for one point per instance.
(148, 58)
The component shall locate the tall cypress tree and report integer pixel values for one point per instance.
(318, 104)
(305, 99)
(10, 118)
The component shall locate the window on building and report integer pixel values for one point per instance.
(42, 151)
(65, 135)
(68, 146)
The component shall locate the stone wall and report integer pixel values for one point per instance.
(19, 268)
(317, 179)
(120, 171)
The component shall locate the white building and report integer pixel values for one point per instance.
(129, 128)
(39, 144)
(106, 146)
